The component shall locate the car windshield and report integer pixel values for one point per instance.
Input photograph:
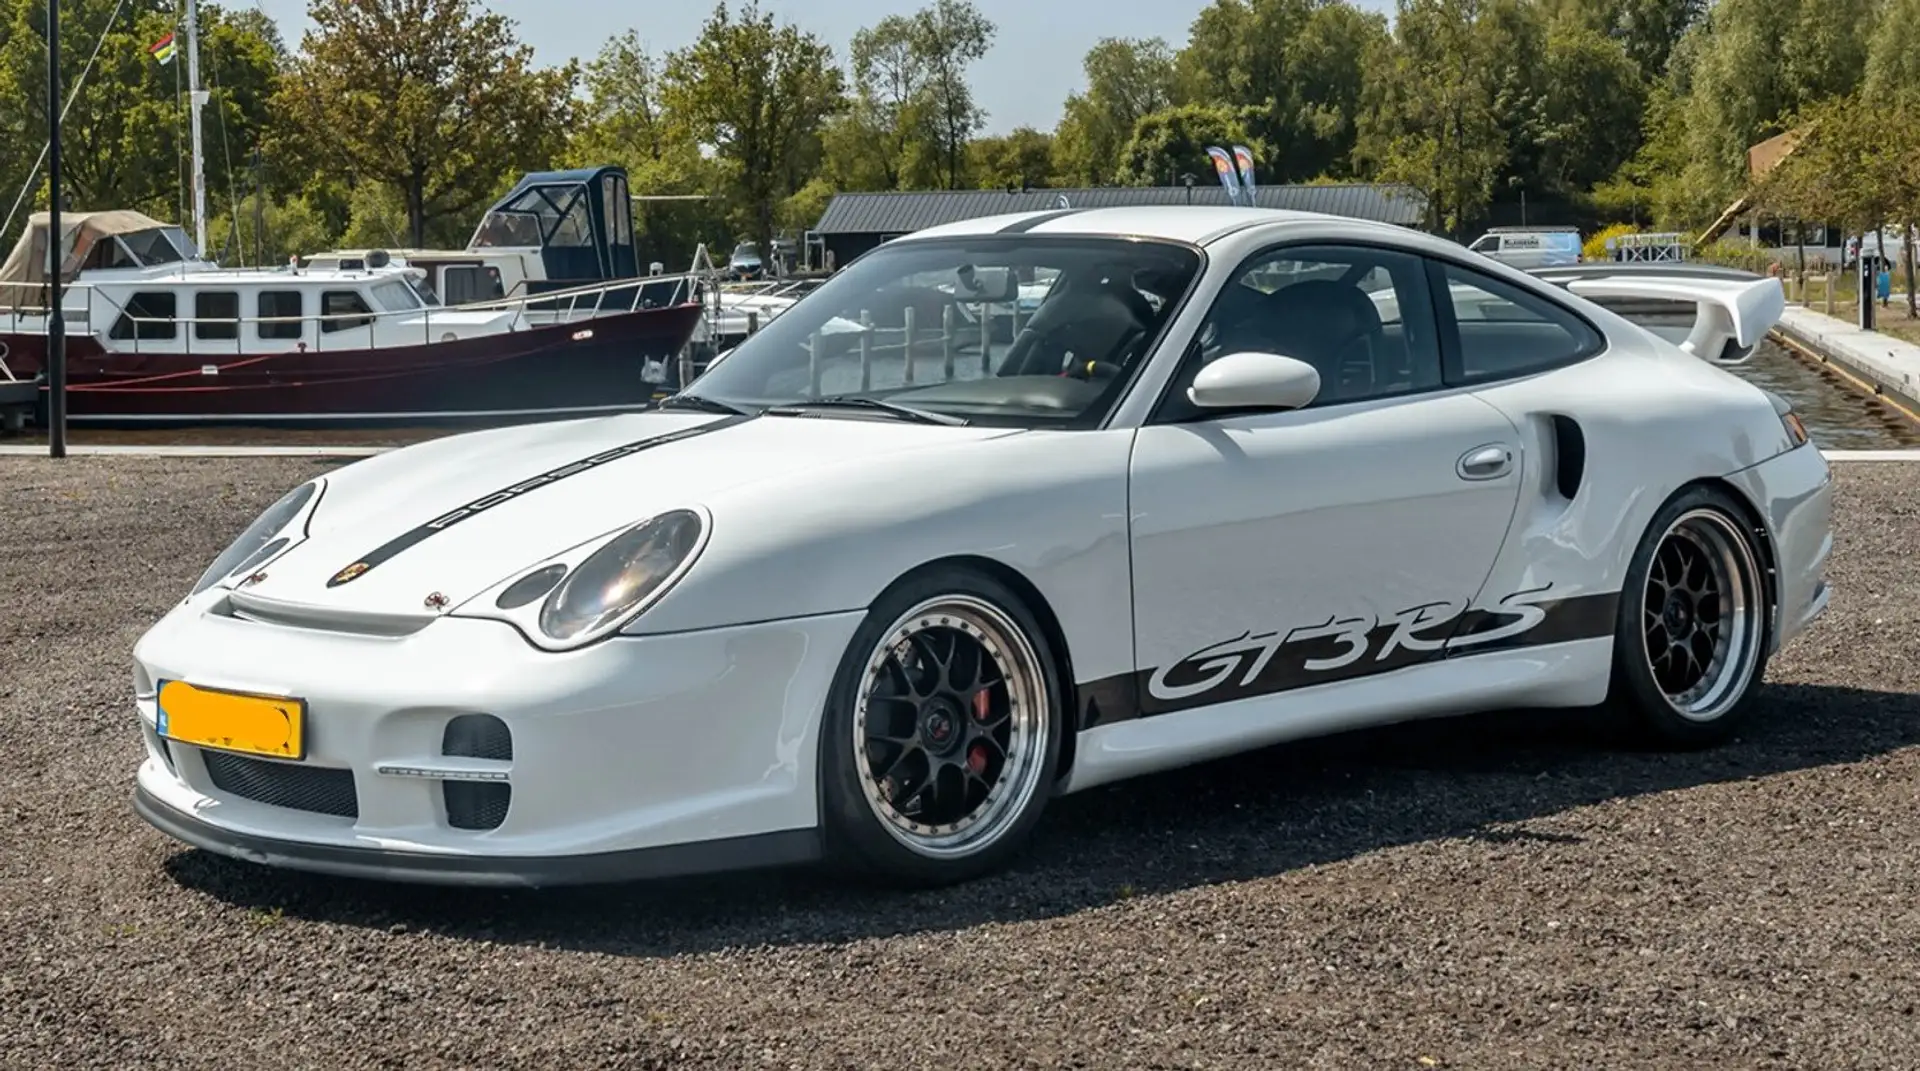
(1024, 330)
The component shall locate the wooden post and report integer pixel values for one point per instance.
(866, 350)
(986, 339)
(813, 367)
(946, 344)
(909, 366)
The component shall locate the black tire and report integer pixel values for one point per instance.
(1014, 733)
(1694, 630)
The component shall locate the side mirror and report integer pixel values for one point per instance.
(1255, 381)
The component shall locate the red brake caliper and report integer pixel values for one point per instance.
(977, 754)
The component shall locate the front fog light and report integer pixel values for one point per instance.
(618, 579)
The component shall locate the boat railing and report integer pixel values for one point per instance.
(227, 335)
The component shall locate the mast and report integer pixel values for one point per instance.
(195, 98)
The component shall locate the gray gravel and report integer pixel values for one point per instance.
(1500, 892)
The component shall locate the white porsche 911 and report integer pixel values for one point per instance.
(901, 568)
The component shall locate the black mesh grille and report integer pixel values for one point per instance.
(282, 784)
(477, 804)
(477, 736)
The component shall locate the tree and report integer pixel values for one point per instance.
(430, 97)
(1173, 142)
(1327, 65)
(949, 36)
(1594, 105)
(759, 94)
(1430, 120)
(125, 137)
(1893, 55)
(1126, 80)
(626, 122)
(1022, 159)
(891, 78)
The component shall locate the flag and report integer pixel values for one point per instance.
(1223, 164)
(163, 50)
(1244, 157)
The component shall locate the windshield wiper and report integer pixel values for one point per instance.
(705, 405)
(920, 416)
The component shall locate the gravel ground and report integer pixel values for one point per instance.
(1503, 892)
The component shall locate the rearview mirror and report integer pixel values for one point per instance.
(991, 285)
(1255, 381)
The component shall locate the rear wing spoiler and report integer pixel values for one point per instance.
(1733, 310)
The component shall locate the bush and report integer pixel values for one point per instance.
(1596, 246)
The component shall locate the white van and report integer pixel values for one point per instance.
(1530, 247)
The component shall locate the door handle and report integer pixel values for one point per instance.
(1485, 462)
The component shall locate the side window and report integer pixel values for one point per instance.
(1500, 331)
(280, 312)
(147, 315)
(1360, 316)
(216, 314)
(343, 309)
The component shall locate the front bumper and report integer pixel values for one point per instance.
(634, 757)
(1794, 492)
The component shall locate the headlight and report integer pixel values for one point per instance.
(620, 578)
(268, 535)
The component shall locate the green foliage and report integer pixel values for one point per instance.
(125, 135)
(428, 97)
(1173, 142)
(1022, 159)
(758, 93)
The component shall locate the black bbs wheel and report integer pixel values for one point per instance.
(1692, 640)
(942, 733)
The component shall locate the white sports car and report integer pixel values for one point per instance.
(1242, 476)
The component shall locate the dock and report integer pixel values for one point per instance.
(1877, 363)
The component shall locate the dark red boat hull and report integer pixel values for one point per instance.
(558, 370)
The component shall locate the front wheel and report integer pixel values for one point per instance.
(941, 732)
(1692, 637)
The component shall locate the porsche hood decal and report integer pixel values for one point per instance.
(372, 559)
(1342, 649)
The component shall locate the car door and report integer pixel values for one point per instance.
(1282, 550)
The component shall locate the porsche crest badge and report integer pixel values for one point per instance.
(350, 572)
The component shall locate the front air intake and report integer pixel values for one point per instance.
(477, 804)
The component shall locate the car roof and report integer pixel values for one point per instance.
(1195, 224)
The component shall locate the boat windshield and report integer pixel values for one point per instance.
(1014, 330)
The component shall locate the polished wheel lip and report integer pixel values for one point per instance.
(1029, 717)
(1729, 573)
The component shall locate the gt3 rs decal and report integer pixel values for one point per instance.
(447, 520)
(1341, 648)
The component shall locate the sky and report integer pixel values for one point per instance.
(1023, 81)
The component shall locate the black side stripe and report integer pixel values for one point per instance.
(1026, 225)
(1283, 665)
(447, 520)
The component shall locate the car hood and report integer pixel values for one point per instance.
(456, 516)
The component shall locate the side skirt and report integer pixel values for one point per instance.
(1572, 673)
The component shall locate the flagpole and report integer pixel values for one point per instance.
(195, 98)
(56, 367)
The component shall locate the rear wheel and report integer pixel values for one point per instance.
(941, 732)
(1692, 637)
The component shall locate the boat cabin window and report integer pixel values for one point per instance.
(341, 310)
(216, 314)
(462, 284)
(395, 295)
(557, 214)
(284, 306)
(148, 314)
(157, 246)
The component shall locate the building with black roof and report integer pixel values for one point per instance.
(856, 222)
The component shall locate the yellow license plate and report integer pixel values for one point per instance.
(232, 721)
